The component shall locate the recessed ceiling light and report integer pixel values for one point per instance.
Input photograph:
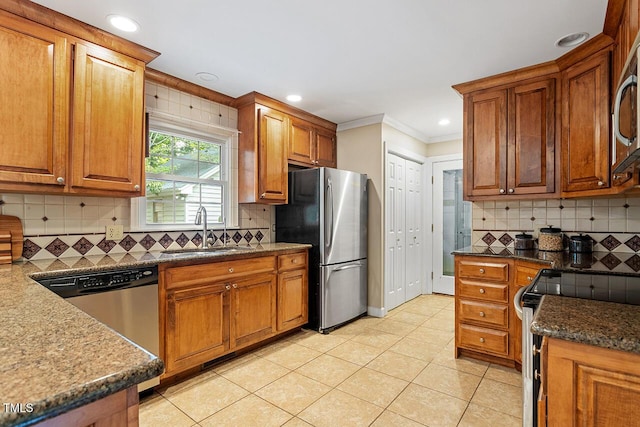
(207, 77)
(294, 98)
(444, 122)
(123, 23)
(572, 39)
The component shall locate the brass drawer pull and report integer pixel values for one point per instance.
(482, 314)
(482, 340)
(482, 271)
(230, 269)
(227, 287)
(529, 278)
(482, 291)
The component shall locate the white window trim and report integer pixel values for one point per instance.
(208, 132)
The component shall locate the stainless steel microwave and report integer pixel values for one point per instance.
(625, 115)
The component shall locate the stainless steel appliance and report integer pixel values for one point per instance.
(328, 209)
(126, 300)
(625, 115)
(593, 285)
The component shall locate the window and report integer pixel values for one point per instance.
(186, 168)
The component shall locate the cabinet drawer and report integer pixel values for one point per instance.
(292, 261)
(487, 313)
(497, 271)
(485, 291)
(178, 277)
(483, 339)
(525, 275)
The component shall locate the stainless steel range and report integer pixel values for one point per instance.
(600, 286)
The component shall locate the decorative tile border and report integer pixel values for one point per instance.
(603, 242)
(47, 247)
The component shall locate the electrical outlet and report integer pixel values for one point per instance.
(114, 232)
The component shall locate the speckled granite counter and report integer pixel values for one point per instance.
(603, 324)
(56, 357)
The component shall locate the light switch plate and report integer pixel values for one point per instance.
(114, 232)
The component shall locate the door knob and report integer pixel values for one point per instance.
(60, 180)
(511, 190)
(502, 191)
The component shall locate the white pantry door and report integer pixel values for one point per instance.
(403, 215)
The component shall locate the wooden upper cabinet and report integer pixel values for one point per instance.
(585, 125)
(531, 150)
(69, 125)
(301, 141)
(107, 145)
(272, 156)
(485, 144)
(325, 148)
(509, 140)
(311, 146)
(34, 104)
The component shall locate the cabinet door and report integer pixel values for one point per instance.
(292, 299)
(325, 148)
(531, 149)
(253, 309)
(35, 65)
(108, 141)
(591, 386)
(197, 326)
(485, 144)
(301, 143)
(585, 125)
(272, 156)
(525, 273)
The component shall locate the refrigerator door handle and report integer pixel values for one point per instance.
(329, 234)
(346, 267)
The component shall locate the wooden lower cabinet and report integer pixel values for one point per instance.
(211, 309)
(487, 327)
(590, 386)
(253, 309)
(197, 325)
(119, 409)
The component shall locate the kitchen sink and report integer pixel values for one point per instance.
(209, 251)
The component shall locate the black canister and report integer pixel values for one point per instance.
(582, 243)
(524, 242)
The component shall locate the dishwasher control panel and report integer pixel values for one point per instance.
(72, 285)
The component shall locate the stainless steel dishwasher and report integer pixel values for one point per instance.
(126, 300)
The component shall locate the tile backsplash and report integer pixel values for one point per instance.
(614, 224)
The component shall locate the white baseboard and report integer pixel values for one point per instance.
(376, 311)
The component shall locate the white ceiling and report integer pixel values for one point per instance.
(349, 59)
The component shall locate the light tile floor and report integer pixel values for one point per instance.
(396, 371)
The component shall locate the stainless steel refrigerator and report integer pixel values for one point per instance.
(328, 209)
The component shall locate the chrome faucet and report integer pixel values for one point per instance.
(199, 220)
(224, 231)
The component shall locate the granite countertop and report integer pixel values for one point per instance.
(603, 324)
(56, 357)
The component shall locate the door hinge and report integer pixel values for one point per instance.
(432, 180)
(432, 228)
(432, 275)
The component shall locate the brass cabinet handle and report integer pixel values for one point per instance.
(482, 271)
(529, 278)
(60, 180)
(263, 195)
(511, 190)
(230, 269)
(136, 187)
(482, 290)
(482, 340)
(502, 191)
(235, 286)
(600, 183)
(482, 314)
(227, 287)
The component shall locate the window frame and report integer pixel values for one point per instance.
(201, 131)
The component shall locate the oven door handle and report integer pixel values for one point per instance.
(517, 301)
